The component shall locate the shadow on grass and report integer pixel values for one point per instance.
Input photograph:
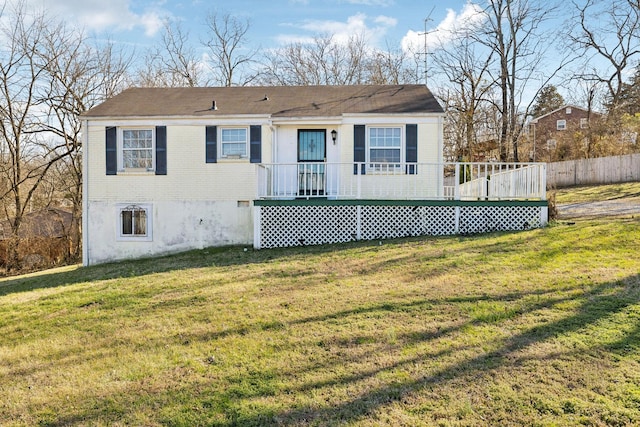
(599, 303)
(594, 305)
(203, 258)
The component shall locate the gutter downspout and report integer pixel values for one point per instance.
(257, 232)
(85, 193)
(274, 142)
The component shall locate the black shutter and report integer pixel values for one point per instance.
(112, 150)
(161, 150)
(255, 145)
(359, 147)
(211, 145)
(411, 146)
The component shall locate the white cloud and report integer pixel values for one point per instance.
(374, 30)
(152, 22)
(386, 21)
(112, 15)
(447, 30)
(382, 3)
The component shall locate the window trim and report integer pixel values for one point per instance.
(120, 236)
(561, 124)
(120, 147)
(402, 148)
(584, 123)
(221, 143)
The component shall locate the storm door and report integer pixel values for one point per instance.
(311, 162)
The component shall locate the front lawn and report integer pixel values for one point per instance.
(532, 328)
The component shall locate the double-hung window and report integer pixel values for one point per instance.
(384, 147)
(233, 142)
(134, 222)
(561, 125)
(137, 149)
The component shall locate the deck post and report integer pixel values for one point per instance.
(359, 222)
(256, 227)
(543, 181)
(456, 193)
(358, 182)
(513, 183)
(544, 216)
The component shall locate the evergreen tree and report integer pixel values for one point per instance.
(548, 100)
(630, 95)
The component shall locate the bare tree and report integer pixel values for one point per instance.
(513, 33)
(230, 59)
(467, 68)
(173, 63)
(49, 76)
(76, 77)
(26, 158)
(391, 66)
(608, 31)
(324, 61)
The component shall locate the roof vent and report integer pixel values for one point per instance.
(213, 105)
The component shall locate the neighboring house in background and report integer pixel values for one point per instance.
(42, 237)
(171, 169)
(559, 130)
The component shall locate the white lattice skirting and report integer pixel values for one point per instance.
(298, 224)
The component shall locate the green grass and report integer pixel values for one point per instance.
(533, 328)
(627, 191)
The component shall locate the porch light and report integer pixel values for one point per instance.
(334, 135)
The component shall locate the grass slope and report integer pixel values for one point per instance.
(629, 191)
(532, 328)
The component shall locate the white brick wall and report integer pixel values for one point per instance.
(198, 204)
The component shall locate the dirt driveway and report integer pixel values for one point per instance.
(599, 209)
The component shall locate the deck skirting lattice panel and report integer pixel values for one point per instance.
(283, 226)
(299, 224)
(485, 219)
(389, 222)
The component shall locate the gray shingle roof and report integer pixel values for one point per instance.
(276, 101)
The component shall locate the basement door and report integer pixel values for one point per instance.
(311, 162)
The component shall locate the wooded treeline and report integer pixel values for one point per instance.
(492, 74)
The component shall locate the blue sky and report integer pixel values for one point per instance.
(273, 23)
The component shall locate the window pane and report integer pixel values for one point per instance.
(385, 156)
(140, 222)
(311, 145)
(137, 148)
(127, 222)
(134, 221)
(234, 135)
(234, 142)
(384, 145)
(234, 149)
(137, 138)
(137, 159)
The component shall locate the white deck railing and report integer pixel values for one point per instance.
(395, 181)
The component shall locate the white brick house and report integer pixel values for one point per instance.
(172, 169)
